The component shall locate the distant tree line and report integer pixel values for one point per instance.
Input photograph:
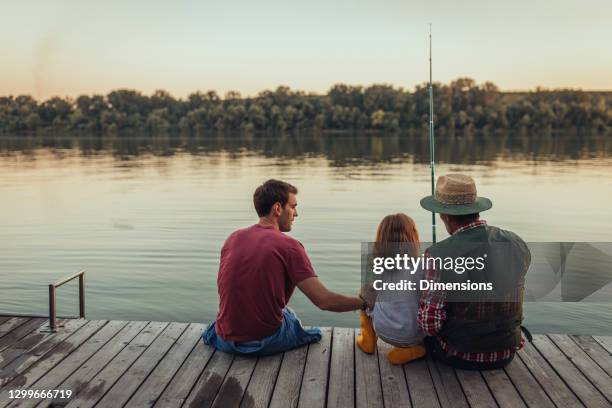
(461, 105)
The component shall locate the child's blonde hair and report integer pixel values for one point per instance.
(396, 228)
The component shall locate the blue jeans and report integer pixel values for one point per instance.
(289, 335)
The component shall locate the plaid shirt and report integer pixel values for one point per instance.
(432, 315)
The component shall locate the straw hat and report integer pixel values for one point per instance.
(456, 195)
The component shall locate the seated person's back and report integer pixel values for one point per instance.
(259, 270)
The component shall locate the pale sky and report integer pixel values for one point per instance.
(69, 48)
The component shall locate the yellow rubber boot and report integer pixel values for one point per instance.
(402, 355)
(366, 340)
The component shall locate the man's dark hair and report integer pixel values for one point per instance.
(465, 219)
(270, 192)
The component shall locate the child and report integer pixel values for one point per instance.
(393, 317)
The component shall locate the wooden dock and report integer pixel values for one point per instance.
(143, 364)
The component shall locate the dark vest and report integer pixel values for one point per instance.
(484, 321)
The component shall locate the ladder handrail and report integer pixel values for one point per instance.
(52, 302)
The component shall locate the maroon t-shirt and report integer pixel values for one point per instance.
(259, 269)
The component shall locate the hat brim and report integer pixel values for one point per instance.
(481, 204)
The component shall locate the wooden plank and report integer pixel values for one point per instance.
(261, 386)
(78, 379)
(177, 391)
(502, 388)
(55, 347)
(104, 380)
(393, 380)
(420, 384)
(12, 324)
(4, 319)
(316, 372)
(287, 389)
(583, 389)
(235, 383)
(203, 393)
(560, 371)
(594, 349)
(72, 362)
(341, 389)
(12, 338)
(446, 385)
(475, 389)
(154, 385)
(129, 382)
(585, 364)
(605, 341)
(549, 380)
(24, 379)
(15, 359)
(368, 389)
(527, 386)
(28, 342)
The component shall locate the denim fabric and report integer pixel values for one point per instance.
(289, 335)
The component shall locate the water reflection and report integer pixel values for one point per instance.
(146, 216)
(340, 149)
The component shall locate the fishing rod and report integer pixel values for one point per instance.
(431, 142)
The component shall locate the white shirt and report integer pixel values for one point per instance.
(394, 315)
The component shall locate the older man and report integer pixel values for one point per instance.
(479, 330)
(259, 270)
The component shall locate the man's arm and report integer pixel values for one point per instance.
(325, 299)
(432, 305)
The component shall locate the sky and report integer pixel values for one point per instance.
(67, 48)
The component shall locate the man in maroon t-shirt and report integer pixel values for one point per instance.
(259, 270)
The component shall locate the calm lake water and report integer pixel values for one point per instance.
(146, 217)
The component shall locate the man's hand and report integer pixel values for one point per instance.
(368, 293)
(325, 299)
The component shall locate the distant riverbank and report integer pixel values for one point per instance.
(461, 105)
